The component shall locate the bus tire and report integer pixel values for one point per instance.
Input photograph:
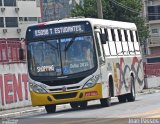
(111, 87)
(74, 105)
(83, 104)
(122, 98)
(50, 108)
(105, 102)
(132, 96)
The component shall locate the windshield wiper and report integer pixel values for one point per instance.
(70, 43)
(52, 46)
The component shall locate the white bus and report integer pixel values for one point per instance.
(82, 59)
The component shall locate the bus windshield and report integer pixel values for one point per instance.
(61, 57)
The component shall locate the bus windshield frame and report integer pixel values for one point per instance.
(74, 51)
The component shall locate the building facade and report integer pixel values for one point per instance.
(15, 16)
(152, 8)
(57, 9)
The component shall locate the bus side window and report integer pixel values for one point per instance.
(125, 35)
(136, 44)
(125, 42)
(119, 34)
(106, 46)
(113, 34)
(118, 42)
(112, 42)
(130, 43)
(99, 48)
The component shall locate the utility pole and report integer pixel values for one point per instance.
(145, 15)
(99, 9)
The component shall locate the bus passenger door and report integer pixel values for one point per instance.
(102, 64)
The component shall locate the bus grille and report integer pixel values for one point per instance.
(63, 81)
(65, 96)
(68, 88)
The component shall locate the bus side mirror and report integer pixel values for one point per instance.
(103, 38)
(21, 51)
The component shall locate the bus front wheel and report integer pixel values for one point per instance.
(50, 108)
(105, 102)
(83, 104)
(74, 105)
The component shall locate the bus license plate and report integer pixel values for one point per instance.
(93, 93)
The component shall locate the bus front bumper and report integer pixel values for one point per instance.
(67, 97)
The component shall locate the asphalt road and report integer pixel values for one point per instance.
(146, 109)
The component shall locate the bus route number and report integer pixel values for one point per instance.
(43, 32)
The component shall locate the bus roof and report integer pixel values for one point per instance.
(95, 22)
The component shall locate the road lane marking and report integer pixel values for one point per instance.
(98, 121)
(82, 120)
(148, 114)
(110, 121)
(155, 116)
(48, 116)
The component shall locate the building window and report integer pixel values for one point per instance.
(150, 2)
(9, 2)
(28, 19)
(11, 22)
(0, 2)
(153, 12)
(1, 22)
(39, 19)
(32, 18)
(25, 18)
(21, 19)
(154, 31)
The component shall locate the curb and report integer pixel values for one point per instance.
(13, 114)
(149, 91)
(31, 110)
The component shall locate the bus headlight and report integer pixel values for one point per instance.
(36, 88)
(91, 82)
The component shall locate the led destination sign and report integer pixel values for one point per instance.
(58, 30)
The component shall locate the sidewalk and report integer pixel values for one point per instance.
(149, 91)
(19, 111)
(30, 109)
